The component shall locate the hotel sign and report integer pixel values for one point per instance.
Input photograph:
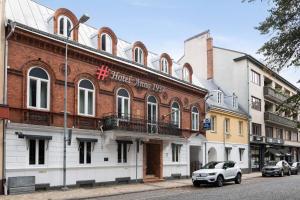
(104, 72)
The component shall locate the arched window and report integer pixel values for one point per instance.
(175, 116)
(138, 55)
(164, 65)
(106, 43)
(86, 96)
(38, 89)
(123, 104)
(195, 119)
(64, 26)
(152, 114)
(186, 74)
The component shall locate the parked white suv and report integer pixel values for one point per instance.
(217, 173)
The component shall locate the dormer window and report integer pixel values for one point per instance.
(138, 55)
(186, 74)
(234, 101)
(164, 65)
(219, 97)
(64, 26)
(106, 43)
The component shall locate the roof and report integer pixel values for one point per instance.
(40, 18)
(263, 66)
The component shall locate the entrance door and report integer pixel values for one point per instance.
(195, 159)
(153, 160)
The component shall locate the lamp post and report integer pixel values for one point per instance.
(82, 19)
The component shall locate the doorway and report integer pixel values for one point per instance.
(195, 158)
(152, 160)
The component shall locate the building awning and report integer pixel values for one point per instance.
(285, 152)
(87, 139)
(275, 152)
(36, 137)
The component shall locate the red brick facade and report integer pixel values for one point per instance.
(27, 50)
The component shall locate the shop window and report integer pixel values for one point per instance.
(64, 26)
(176, 152)
(85, 150)
(175, 116)
(37, 152)
(106, 43)
(138, 55)
(123, 104)
(38, 89)
(195, 119)
(86, 98)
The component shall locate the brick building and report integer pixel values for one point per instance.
(134, 115)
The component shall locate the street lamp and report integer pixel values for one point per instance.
(82, 19)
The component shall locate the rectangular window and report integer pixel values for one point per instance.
(81, 152)
(32, 93)
(44, 94)
(227, 153)
(195, 121)
(288, 135)
(240, 128)
(213, 121)
(175, 152)
(241, 152)
(256, 129)
(37, 152)
(255, 103)
(279, 133)
(227, 126)
(269, 131)
(85, 151)
(82, 102)
(122, 152)
(255, 77)
(294, 137)
(90, 103)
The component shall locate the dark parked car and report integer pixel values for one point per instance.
(274, 168)
(295, 167)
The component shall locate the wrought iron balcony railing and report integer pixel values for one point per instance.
(283, 121)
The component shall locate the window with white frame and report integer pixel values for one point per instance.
(122, 152)
(38, 89)
(227, 126)
(255, 77)
(86, 96)
(176, 152)
(106, 43)
(37, 152)
(195, 119)
(213, 121)
(123, 104)
(219, 97)
(152, 114)
(241, 124)
(138, 55)
(85, 152)
(175, 116)
(164, 65)
(64, 26)
(186, 74)
(234, 101)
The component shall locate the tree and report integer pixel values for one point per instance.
(283, 49)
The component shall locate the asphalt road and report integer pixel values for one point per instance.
(273, 188)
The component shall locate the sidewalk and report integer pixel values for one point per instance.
(81, 193)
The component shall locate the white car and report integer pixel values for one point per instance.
(217, 173)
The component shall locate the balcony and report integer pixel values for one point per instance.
(278, 120)
(257, 139)
(274, 140)
(139, 124)
(273, 95)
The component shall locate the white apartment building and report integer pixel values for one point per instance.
(260, 90)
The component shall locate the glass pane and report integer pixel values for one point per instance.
(123, 93)
(108, 44)
(154, 113)
(119, 107)
(68, 27)
(61, 26)
(173, 152)
(41, 152)
(86, 84)
(81, 152)
(141, 57)
(32, 152)
(149, 113)
(32, 93)
(44, 93)
(152, 99)
(124, 152)
(38, 73)
(126, 108)
(103, 42)
(88, 152)
(119, 152)
(81, 101)
(136, 54)
(90, 103)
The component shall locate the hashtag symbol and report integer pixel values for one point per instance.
(102, 72)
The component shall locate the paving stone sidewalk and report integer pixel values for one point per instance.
(82, 193)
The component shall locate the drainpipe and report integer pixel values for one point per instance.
(12, 29)
(137, 149)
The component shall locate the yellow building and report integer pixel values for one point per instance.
(228, 138)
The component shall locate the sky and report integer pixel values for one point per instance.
(163, 25)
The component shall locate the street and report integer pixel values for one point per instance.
(257, 188)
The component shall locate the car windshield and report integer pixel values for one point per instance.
(213, 165)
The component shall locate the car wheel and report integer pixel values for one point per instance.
(289, 173)
(238, 178)
(281, 173)
(196, 184)
(219, 181)
(263, 175)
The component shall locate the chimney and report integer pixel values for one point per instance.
(210, 60)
